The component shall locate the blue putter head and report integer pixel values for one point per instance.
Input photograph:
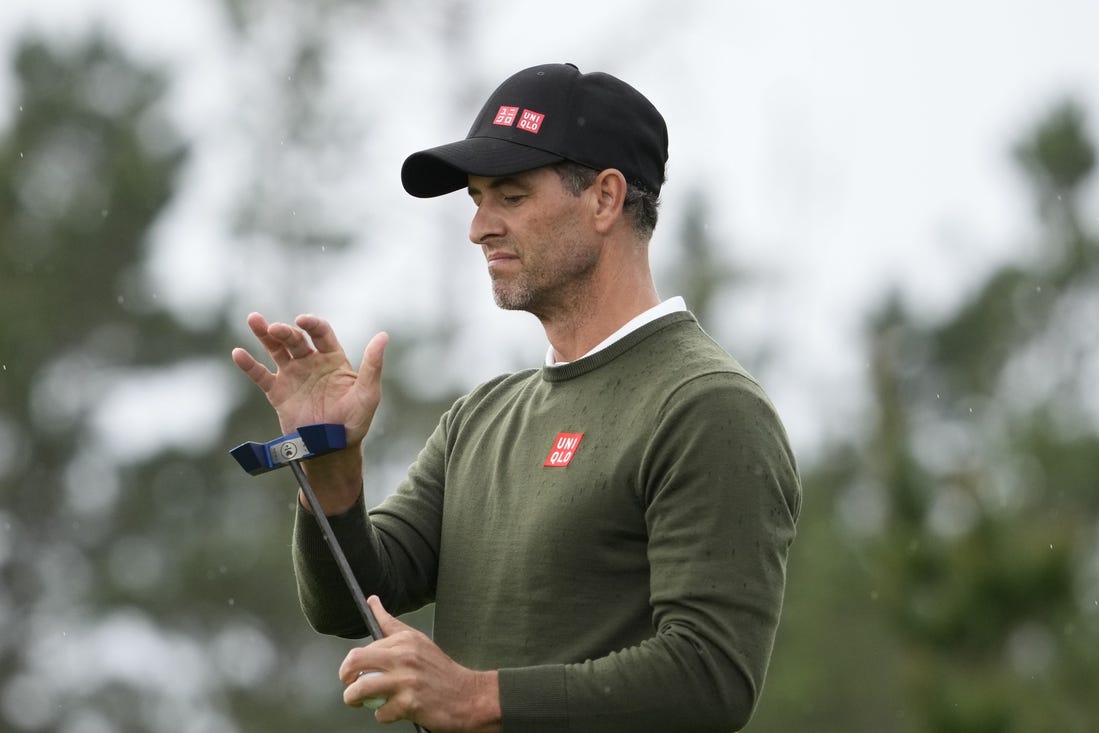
(309, 441)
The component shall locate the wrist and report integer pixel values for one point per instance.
(336, 478)
(485, 703)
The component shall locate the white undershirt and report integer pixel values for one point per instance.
(671, 305)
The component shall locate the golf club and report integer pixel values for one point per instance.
(291, 450)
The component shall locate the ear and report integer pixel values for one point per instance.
(609, 190)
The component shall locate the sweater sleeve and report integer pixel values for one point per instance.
(722, 498)
(324, 598)
(393, 549)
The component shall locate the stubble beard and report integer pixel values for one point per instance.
(547, 287)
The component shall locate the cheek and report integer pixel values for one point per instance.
(562, 227)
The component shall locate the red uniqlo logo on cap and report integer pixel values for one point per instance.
(505, 116)
(564, 448)
(531, 121)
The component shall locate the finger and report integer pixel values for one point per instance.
(370, 371)
(389, 624)
(262, 331)
(257, 372)
(351, 665)
(357, 661)
(366, 690)
(292, 340)
(257, 323)
(320, 332)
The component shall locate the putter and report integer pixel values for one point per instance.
(291, 450)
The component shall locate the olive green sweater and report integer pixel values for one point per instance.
(611, 534)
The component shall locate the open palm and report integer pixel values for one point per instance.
(314, 381)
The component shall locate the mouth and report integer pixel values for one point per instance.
(500, 258)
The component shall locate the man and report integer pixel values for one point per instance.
(604, 537)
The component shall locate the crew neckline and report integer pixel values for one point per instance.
(674, 304)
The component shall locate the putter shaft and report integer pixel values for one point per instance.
(337, 552)
(339, 556)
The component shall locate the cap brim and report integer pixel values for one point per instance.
(444, 169)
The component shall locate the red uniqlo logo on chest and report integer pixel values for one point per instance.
(564, 448)
(531, 121)
(505, 116)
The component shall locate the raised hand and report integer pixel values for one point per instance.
(314, 382)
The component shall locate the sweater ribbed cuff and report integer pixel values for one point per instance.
(308, 535)
(534, 699)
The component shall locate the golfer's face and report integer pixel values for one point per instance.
(534, 236)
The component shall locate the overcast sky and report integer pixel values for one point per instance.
(847, 147)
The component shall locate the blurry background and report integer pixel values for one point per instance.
(887, 211)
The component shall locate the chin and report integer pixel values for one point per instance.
(509, 299)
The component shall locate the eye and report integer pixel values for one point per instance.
(512, 199)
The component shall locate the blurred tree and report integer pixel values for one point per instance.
(86, 166)
(960, 523)
(699, 273)
(159, 580)
(145, 585)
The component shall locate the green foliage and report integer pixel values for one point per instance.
(980, 467)
(1058, 157)
(153, 591)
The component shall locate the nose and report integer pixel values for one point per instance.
(485, 224)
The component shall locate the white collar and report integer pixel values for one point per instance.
(671, 305)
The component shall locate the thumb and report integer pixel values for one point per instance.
(389, 624)
(370, 371)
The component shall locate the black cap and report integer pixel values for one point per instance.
(543, 115)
